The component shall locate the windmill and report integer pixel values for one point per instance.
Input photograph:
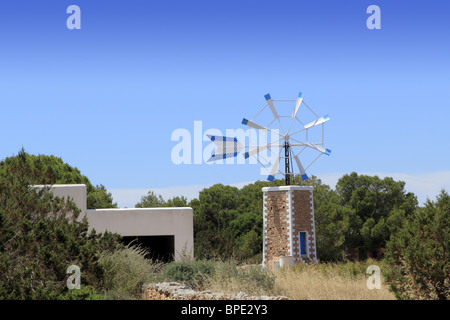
(295, 129)
(292, 128)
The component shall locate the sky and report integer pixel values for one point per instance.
(107, 97)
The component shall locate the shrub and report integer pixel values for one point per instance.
(84, 293)
(191, 273)
(126, 271)
(419, 255)
(254, 280)
(41, 236)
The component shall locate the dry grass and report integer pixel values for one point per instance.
(252, 280)
(328, 282)
(126, 271)
(325, 281)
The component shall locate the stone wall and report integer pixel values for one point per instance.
(303, 220)
(287, 211)
(178, 291)
(276, 233)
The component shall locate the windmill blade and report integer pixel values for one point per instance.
(319, 148)
(255, 151)
(272, 107)
(297, 104)
(317, 122)
(252, 124)
(274, 170)
(227, 147)
(300, 168)
(258, 149)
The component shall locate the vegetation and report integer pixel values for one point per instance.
(375, 209)
(192, 273)
(419, 253)
(49, 170)
(40, 236)
(231, 278)
(334, 281)
(152, 200)
(126, 270)
(361, 213)
(331, 281)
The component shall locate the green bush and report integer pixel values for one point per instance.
(228, 277)
(419, 253)
(84, 293)
(191, 273)
(255, 277)
(44, 169)
(41, 236)
(126, 271)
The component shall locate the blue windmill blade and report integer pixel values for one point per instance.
(274, 170)
(300, 168)
(270, 103)
(298, 102)
(318, 148)
(227, 147)
(252, 124)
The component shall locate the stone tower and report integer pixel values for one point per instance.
(288, 227)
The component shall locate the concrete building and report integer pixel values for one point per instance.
(167, 232)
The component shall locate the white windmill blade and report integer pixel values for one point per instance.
(317, 122)
(261, 148)
(227, 147)
(298, 102)
(274, 170)
(300, 168)
(270, 103)
(319, 148)
(252, 124)
(255, 151)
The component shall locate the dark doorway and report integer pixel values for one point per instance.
(160, 248)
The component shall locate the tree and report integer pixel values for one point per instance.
(374, 208)
(229, 221)
(213, 213)
(49, 170)
(99, 198)
(151, 200)
(41, 236)
(419, 253)
(331, 220)
(177, 201)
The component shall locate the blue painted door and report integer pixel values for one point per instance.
(302, 242)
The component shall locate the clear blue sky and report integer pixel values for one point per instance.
(107, 98)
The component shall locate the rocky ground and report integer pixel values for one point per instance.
(179, 291)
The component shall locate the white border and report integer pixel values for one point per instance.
(287, 188)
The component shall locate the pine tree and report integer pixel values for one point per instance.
(41, 236)
(419, 253)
